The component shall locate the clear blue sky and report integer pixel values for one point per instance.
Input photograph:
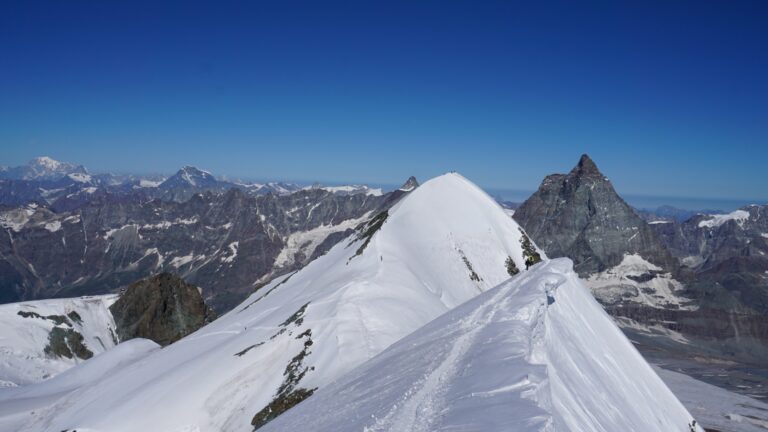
(670, 98)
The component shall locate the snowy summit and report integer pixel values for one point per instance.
(441, 245)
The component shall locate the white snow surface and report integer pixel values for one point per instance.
(231, 253)
(717, 220)
(150, 183)
(46, 163)
(16, 219)
(23, 339)
(53, 226)
(19, 403)
(216, 379)
(79, 177)
(537, 353)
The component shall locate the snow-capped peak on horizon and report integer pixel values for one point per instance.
(440, 245)
(46, 162)
(194, 170)
(43, 168)
(189, 175)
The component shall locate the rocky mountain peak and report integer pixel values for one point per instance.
(163, 308)
(410, 184)
(586, 167)
(189, 176)
(580, 215)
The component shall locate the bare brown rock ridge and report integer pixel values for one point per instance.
(163, 308)
(579, 215)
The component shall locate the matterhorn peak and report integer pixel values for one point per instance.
(586, 166)
(410, 184)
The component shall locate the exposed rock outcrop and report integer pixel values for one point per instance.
(163, 308)
(410, 184)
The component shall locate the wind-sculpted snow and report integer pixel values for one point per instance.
(536, 353)
(441, 245)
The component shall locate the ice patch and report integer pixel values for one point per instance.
(640, 281)
(233, 252)
(168, 224)
(149, 183)
(717, 220)
(16, 219)
(79, 177)
(53, 226)
(182, 260)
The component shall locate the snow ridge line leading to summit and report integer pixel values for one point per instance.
(422, 404)
(536, 353)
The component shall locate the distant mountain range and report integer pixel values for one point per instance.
(64, 186)
(305, 275)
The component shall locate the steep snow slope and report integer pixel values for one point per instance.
(18, 403)
(26, 329)
(444, 243)
(537, 353)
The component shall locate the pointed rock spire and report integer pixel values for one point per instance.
(410, 184)
(586, 166)
(580, 216)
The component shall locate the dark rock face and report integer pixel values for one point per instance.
(162, 308)
(410, 184)
(228, 243)
(726, 257)
(187, 182)
(579, 215)
(67, 342)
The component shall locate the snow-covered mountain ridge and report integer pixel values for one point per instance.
(442, 244)
(42, 338)
(537, 353)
